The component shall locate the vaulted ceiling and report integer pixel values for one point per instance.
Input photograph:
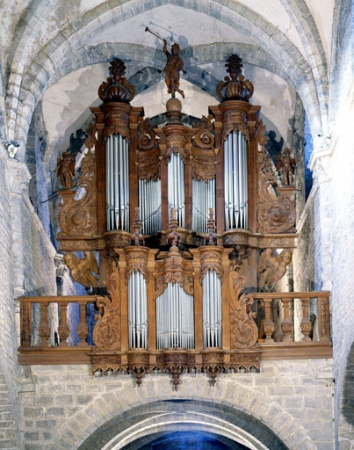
(57, 52)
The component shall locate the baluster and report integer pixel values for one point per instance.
(287, 325)
(305, 323)
(63, 328)
(26, 324)
(43, 329)
(268, 322)
(323, 319)
(82, 329)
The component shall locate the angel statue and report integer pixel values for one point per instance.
(287, 164)
(66, 169)
(81, 269)
(172, 69)
(272, 267)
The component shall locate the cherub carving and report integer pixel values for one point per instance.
(66, 169)
(287, 165)
(172, 69)
(272, 267)
(81, 269)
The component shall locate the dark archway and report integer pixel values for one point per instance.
(158, 421)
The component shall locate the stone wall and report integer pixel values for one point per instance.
(67, 404)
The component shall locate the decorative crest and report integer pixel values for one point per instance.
(236, 88)
(210, 237)
(173, 237)
(137, 226)
(116, 89)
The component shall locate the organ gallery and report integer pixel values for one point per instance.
(179, 234)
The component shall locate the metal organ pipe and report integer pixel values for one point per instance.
(150, 205)
(235, 177)
(176, 194)
(211, 310)
(175, 318)
(203, 199)
(117, 183)
(137, 309)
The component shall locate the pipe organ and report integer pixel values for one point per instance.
(180, 217)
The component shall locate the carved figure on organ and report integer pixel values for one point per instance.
(81, 269)
(287, 165)
(172, 69)
(272, 267)
(66, 169)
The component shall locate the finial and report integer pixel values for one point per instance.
(236, 88)
(210, 238)
(137, 226)
(173, 237)
(116, 89)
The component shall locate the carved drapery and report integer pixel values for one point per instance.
(174, 269)
(211, 259)
(203, 151)
(148, 153)
(136, 259)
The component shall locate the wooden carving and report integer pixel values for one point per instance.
(66, 169)
(236, 87)
(272, 267)
(136, 258)
(172, 69)
(78, 210)
(287, 165)
(106, 334)
(211, 259)
(244, 331)
(148, 160)
(174, 269)
(81, 269)
(275, 213)
(203, 151)
(116, 89)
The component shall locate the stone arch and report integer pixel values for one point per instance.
(62, 50)
(230, 399)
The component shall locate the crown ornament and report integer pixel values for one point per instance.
(236, 87)
(116, 89)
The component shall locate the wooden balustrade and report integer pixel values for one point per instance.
(58, 351)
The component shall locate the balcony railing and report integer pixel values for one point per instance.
(63, 341)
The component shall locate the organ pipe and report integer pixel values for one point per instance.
(150, 205)
(235, 178)
(175, 318)
(211, 310)
(137, 301)
(176, 194)
(117, 183)
(203, 200)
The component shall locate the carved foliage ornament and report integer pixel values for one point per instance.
(275, 213)
(106, 334)
(203, 151)
(244, 331)
(136, 258)
(211, 259)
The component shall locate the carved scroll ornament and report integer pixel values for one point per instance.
(136, 258)
(148, 159)
(211, 259)
(106, 334)
(244, 331)
(78, 217)
(275, 213)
